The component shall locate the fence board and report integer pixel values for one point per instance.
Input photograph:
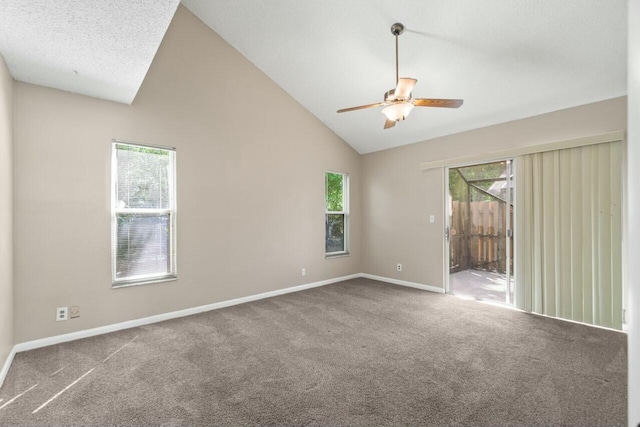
(478, 231)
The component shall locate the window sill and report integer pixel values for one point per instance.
(337, 255)
(126, 284)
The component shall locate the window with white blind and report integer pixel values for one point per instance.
(143, 214)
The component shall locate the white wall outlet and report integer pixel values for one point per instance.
(399, 267)
(74, 312)
(304, 271)
(432, 219)
(62, 313)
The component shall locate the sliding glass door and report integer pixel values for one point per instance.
(479, 235)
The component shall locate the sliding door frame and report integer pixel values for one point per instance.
(511, 227)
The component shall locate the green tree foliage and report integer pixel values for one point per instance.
(457, 186)
(334, 184)
(458, 178)
(484, 171)
(143, 180)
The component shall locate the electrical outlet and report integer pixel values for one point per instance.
(62, 313)
(304, 271)
(399, 267)
(74, 312)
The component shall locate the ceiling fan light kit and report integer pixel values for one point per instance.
(397, 111)
(398, 102)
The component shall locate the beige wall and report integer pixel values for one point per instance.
(398, 197)
(250, 163)
(6, 212)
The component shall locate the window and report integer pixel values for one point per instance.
(336, 213)
(143, 209)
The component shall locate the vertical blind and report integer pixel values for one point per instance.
(569, 241)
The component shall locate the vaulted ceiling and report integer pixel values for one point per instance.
(507, 59)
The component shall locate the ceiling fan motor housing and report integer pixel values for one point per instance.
(397, 29)
(390, 95)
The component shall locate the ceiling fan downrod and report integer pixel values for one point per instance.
(396, 30)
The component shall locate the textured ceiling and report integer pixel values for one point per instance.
(507, 59)
(100, 48)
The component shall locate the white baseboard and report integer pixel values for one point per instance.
(7, 365)
(620, 331)
(44, 342)
(404, 283)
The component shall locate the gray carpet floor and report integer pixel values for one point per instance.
(359, 352)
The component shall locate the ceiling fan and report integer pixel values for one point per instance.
(398, 102)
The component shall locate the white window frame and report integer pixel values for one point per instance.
(344, 212)
(171, 211)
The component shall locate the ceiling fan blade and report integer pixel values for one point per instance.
(361, 107)
(404, 88)
(389, 124)
(446, 103)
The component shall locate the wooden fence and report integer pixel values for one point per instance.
(477, 236)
